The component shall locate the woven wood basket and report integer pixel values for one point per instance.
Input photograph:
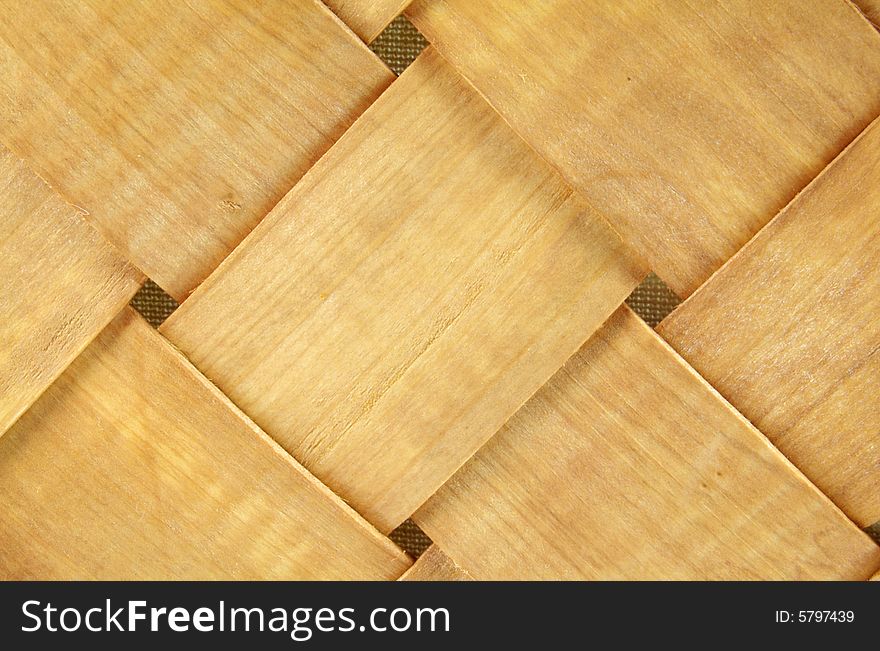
(403, 314)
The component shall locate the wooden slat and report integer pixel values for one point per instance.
(687, 124)
(434, 565)
(871, 9)
(628, 465)
(61, 284)
(789, 330)
(367, 18)
(407, 296)
(132, 466)
(178, 125)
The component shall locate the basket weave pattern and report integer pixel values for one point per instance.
(409, 299)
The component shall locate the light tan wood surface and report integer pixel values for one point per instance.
(789, 330)
(407, 296)
(132, 466)
(434, 565)
(627, 465)
(60, 284)
(689, 125)
(367, 18)
(176, 126)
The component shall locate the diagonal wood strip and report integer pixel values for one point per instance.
(132, 466)
(61, 284)
(434, 565)
(407, 296)
(178, 125)
(871, 9)
(627, 465)
(367, 18)
(688, 124)
(789, 330)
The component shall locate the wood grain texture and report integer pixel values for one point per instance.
(627, 465)
(61, 284)
(871, 9)
(367, 18)
(132, 466)
(434, 565)
(407, 296)
(689, 125)
(176, 126)
(789, 330)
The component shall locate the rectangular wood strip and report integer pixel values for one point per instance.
(132, 466)
(789, 330)
(367, 18)
(688, 124)
(627, 465)
(61, 284)
(176, 126)
(407, 296)
(434, 565)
